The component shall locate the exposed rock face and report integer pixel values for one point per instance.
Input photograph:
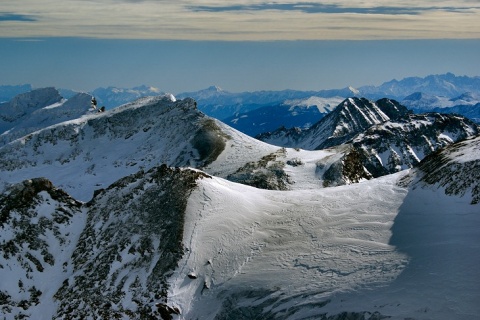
(397, 145)
(267, 173)
(349, 118)
(131, 241)
(348, 169)
(110, 257)
(209, 141)
(455, 168)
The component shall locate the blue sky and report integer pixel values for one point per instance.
(238, 45)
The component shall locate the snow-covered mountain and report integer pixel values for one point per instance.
(221, 104)
(349, 118)
(93, 151)
(380, 138)
(396, 145)
(467, 104)
(422, 102)
(38, 109)
(180, 244)
(24, 104)
(443, 85)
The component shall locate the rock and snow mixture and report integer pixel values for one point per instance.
(139, 238)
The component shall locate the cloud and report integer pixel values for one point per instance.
(254, 20)
(309, 7)
(8, 16)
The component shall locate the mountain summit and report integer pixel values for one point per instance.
(349, 118)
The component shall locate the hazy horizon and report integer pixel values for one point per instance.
(180, 66)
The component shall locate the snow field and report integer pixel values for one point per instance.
(302, 245)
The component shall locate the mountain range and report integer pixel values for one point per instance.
(457, 94)
(154, 210)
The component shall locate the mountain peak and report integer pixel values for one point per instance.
(214, 89)
(26, 103)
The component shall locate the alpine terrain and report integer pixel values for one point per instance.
(154, 210)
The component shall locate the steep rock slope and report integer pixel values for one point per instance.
(398, 145)
(349, 118)
(455, 168)
(131, 243)
(109, 258)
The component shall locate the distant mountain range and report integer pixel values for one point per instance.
(264, 111)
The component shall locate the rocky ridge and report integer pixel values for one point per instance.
(109, 257)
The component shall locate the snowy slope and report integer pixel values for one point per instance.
(283, 254)
(382, 248)
(47, 115)
(181, 244)
(456, 168)
(24, 104)
(95, 150)
(40, 226)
